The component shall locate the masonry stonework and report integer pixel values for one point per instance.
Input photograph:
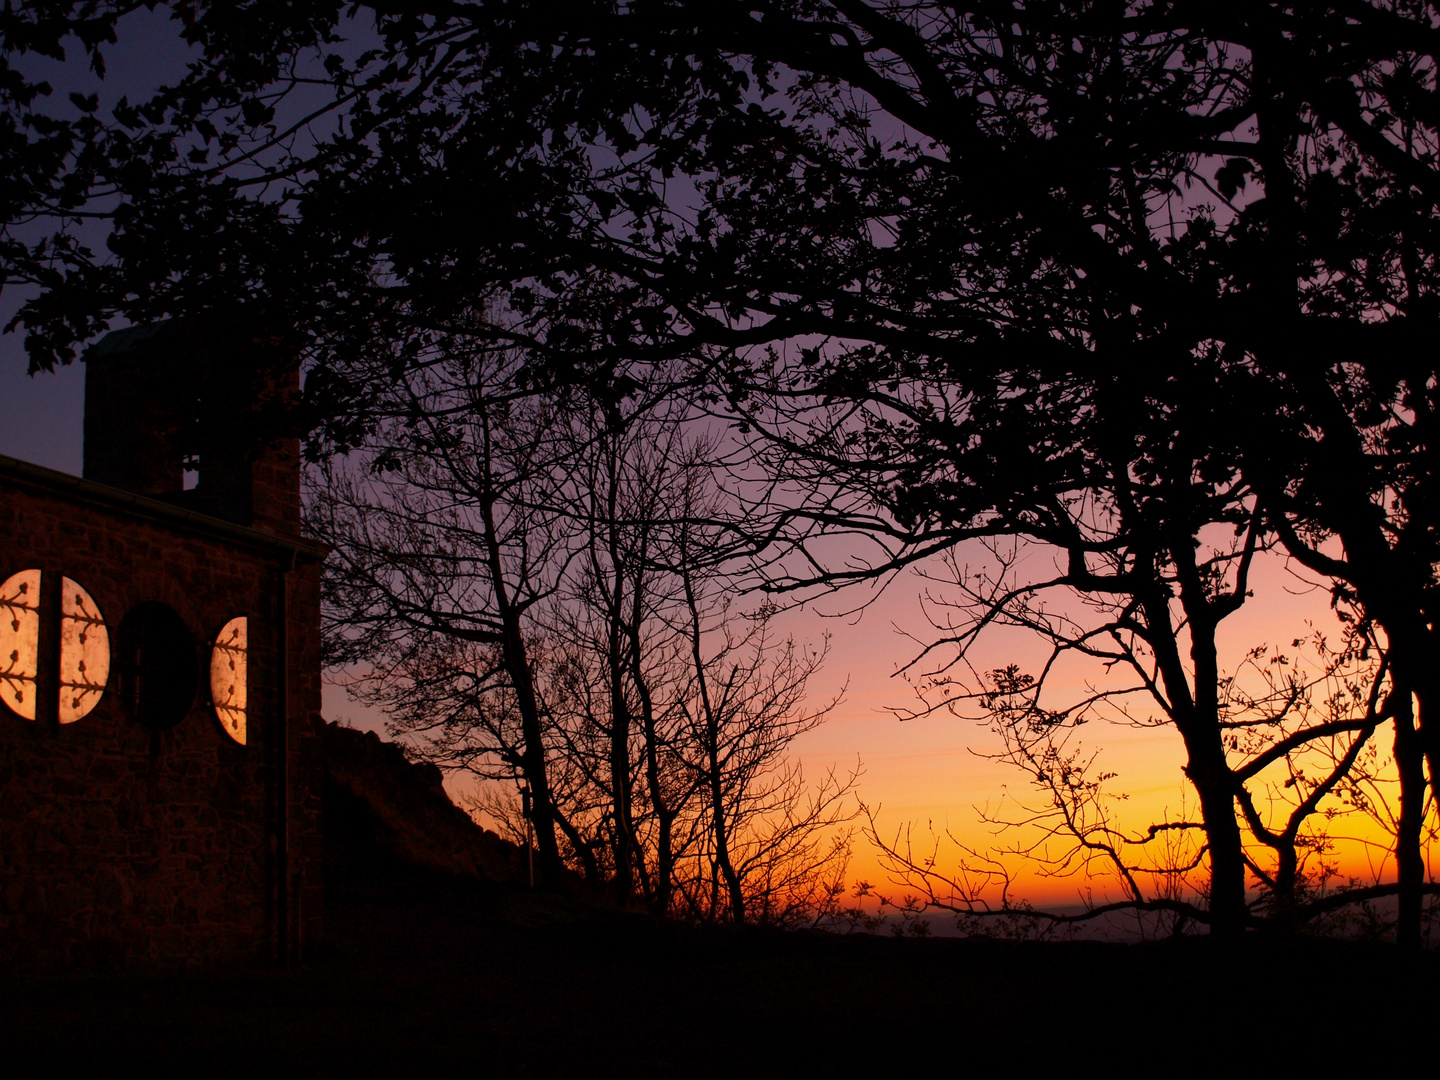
(125, 845)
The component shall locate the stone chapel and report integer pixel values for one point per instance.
(160, 733)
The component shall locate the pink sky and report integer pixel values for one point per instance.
(922, 770)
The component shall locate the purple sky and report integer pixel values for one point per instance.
(919, 770)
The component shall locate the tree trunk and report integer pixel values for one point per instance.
(624, 835)
(664, 818)
(1408, 639)
(618, 640)
(733, 890)
(664, 814)
(1389, 587)
(1427, 736)
(1409, 857)
(542, 804)
(1196, 715)
(532, 758)
(517, 666)
(577, 842)
(1211, 779)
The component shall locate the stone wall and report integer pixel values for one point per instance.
(122, 845)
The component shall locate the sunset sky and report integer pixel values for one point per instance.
(927, 770)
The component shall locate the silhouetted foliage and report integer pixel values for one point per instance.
(534, 587)
(1298, 728)
(971, 271)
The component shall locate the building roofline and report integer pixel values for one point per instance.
(142, 506)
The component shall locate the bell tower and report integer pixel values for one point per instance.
(165, 402)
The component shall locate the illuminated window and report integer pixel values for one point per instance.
(228, 662)
(20, 641)
(155, 661)
(84, 652)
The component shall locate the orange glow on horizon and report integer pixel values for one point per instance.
(934, 769)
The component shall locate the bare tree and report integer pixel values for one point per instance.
(537, 587)
(691, 706)
(448, 531)
(772, 845)
(619, 674)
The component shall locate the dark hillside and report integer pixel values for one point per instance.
(385, 816)
(439, 961)
(483, 980)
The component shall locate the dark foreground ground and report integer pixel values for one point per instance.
(422, 977)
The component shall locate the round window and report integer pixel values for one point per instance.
(156, 666)
(228, 690)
